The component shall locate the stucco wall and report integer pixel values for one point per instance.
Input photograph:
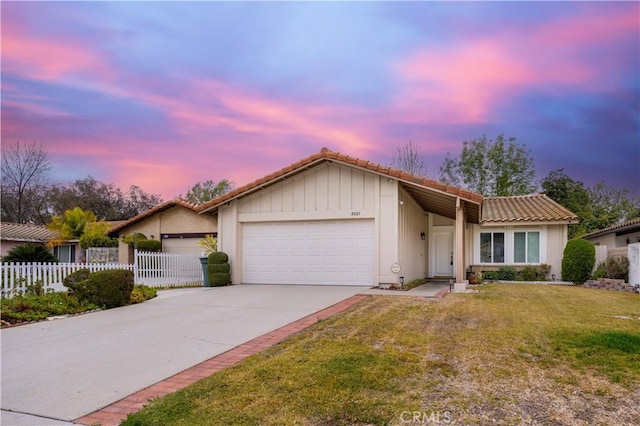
(8, 245)
(175, 220)
(608, 240)
(612, 241)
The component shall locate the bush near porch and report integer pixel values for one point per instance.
(511, 272)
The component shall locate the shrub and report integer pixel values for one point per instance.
(149, 245)
(219, 268)
(131, 239)
(141, 293)
(35, 308)
(110, 288)
(219, 278)
(217, 257)
(507, 273)
(532, 273)
(613, 267)
(577, 261)
(87, 241)
(30, 253)
(72, 280)
(490, 275)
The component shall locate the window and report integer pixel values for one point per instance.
(526, 247)
(65, 253)
(492, 247)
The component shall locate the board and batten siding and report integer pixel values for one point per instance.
(557, 237)
(412, 249)
(326, 191)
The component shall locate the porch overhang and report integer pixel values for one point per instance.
(443, 203)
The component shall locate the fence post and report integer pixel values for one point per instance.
(136, 279)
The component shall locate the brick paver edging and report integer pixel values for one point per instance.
(113, 414)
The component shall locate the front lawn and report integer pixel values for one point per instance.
(510, 354)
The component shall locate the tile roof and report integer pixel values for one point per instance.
(524, 208)
(160, 207)
(632, 223)
(25, 232)
(327, 155)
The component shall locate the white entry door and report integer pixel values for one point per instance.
(443, 254)
(331, 252)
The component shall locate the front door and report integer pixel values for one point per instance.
(443, 252)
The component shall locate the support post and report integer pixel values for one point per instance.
(460, 281)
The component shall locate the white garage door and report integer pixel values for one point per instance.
(338, 252)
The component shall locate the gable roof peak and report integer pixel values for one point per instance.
(326, 154)
(158, 208)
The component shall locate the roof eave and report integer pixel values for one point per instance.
(532, 222)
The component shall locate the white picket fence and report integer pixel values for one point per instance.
(167, 269)
(152, 269)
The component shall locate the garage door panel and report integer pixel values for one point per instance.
(318, 252)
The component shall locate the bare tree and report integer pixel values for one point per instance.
(407, 158)
(24, 172)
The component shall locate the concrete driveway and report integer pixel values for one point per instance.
(64, 369)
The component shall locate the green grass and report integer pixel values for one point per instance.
(511, 354)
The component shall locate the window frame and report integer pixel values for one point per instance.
(71, 253)
(509, 243)
(493, 246)
(527, 240)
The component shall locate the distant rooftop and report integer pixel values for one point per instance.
(25, 232)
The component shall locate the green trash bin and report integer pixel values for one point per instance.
(205, 272)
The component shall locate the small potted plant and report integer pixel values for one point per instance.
(476, 277)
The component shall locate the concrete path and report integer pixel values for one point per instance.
(425, 290)
(64, 369)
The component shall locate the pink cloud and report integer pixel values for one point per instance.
(212, 105)
(465, 83)
(49, 58)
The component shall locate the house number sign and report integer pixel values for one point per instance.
(395, 268)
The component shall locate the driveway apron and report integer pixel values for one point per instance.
(64, 369)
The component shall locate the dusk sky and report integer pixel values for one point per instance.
(164, 95)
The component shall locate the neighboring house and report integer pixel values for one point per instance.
(175, 223)
(15, 234)
(331, 219)
(616, 237)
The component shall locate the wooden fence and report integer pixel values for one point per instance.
(152, 269)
